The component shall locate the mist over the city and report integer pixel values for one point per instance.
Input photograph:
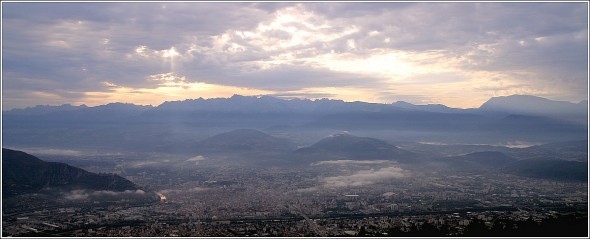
(320, 119)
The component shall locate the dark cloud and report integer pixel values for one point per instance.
(271, 7)
(345, 11)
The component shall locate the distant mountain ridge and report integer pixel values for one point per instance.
(538, 106)
(529, 103)
(438, 108)
(44, 109)
(238, 103)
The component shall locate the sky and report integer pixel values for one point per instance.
(457, 54)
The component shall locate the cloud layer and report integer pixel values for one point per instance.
(86, 194)
(364, 177)
(358, 178)
(458, 54)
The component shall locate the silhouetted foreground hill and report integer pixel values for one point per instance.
(25, 173)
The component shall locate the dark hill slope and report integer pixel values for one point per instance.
(570, 150)
(550, 169)
(485, 158)
(24, 173)
(477, 161)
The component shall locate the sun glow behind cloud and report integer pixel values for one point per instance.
(171, 87)
(450, 53)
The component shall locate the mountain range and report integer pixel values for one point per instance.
(514, 104)
(176, 126)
